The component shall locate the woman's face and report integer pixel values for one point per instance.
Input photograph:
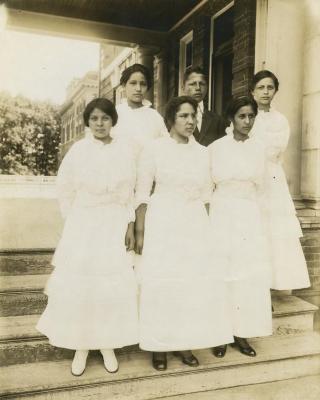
(185, 122)
(136, 88)
(264, 92)
(100, 124)
(243, 121)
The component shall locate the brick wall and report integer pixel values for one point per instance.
(243, 46)
(310, 221)
(200, 22)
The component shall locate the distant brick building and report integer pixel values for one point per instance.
(113, 60)
(79, 93)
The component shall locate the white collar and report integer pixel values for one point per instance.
(201, 106)
(89, 136)
(145, 103)
(229, 132)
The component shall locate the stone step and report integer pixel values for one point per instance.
(278, 358)
(292, 315)
(306, 387)
(20, 342)
(22, 295)
(27, 263)
(22, 283)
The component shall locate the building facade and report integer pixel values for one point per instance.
(231, 40)
(79, 93)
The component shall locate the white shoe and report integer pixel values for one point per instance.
(79, 362)
(110, 361)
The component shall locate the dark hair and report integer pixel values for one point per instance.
(238, 102)
(173, 107)
(264, 74)
(102, 104)
(193, 70)
(125, 76)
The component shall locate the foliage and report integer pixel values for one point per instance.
(29, 136)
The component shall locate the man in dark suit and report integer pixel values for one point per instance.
(210, 126)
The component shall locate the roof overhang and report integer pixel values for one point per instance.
(125, 22)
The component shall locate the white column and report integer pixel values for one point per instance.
(160, 82)
(279, 46)
(310, 156)
(145, 56)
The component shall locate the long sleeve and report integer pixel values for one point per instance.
(66, 183)
(145, 175)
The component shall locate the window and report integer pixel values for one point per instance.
(186, 55)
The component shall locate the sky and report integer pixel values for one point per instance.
(41, 67)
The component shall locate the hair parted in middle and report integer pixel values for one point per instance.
(238, 102)
(173, 107)
(126, 74)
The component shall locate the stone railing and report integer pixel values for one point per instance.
(18, 186)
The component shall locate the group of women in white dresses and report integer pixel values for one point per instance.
(213, 229)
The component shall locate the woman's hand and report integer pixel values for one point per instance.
(139, 241)
(129, 238)
(139, 227)
(207, 206)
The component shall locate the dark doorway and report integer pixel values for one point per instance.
(222, 58)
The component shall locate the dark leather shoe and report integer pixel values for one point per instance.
(191, 360)
(244, 347)
(159, 361)
(219, 351)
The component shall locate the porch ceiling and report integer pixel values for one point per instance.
(154, 15)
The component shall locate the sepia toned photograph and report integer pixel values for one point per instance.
(160, 199)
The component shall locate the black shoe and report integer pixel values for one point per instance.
(219, 351)
(191, 360)
(159, 361)
(244, 347)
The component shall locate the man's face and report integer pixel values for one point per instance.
(196, 86)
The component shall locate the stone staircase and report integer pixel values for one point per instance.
(287, 362)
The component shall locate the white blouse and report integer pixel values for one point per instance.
(139, 125)
(94, 174)
(273, 129)
(237, 163)
(179, 170)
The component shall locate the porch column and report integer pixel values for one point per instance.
(145, 56)
(310, 154)
(160, 82)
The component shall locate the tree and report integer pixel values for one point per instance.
(29, 136)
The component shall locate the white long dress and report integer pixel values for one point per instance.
(239, 245)
(289, 269)
(183, 300)
(140, 125)
(92, 294)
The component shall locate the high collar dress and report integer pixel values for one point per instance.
(238, 241)
(140, 125)
(289, 269)
(92, 292)
(183, 304)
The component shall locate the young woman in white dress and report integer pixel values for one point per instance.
(92, 294)
(183, 300)
(239, 245)
(289, 269)
(138, 122)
